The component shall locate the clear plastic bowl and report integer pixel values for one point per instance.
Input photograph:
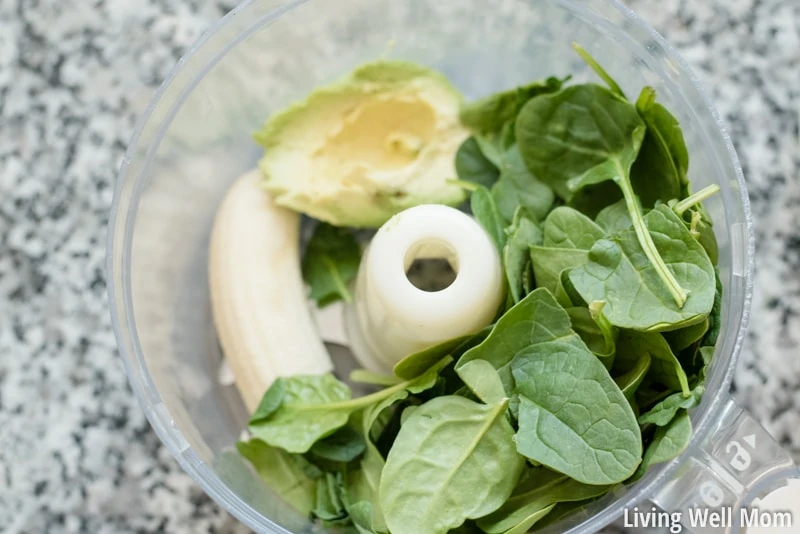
(195, 139)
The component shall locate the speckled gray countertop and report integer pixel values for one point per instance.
(76, 453)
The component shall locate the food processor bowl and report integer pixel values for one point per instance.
(195, 138)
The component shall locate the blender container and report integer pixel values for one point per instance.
(195, 139)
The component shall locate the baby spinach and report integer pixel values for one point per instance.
(453, 460)
(482, 378)
(715, 317)
(417, 363)
(316, 406)
(598, 69)
(286, 428)
(562, 510)
(330, 263)
(632, 379)
(599, 337)
(703, 231)
(550, 264)
(344, 445)
(614, 218)
(361, 515)
(568, 235)
(585, 135)
(665, 411)
(270, 402)
(665, 368)
(472, 166)
(538, 490)
(687, 336)
(568, 228)
(485, 212)
(497, 165)
(619, 273)
(285, 473)
(537, 319)
(668, 443)
(522, 234)
(518, 187)
(329, 506)
(573, 418)
(488, 115)
(659, 172)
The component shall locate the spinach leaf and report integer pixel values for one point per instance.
(585, 135)
(472, 166)
(522, 234)
(592, 199)
(416, 364)
(573, 418)
(600, 71)
(715, 317)
(363, 376)
(283, 472)
(537, 492)
(687, 336)
(631, 380)
(538, 318)
(550, 264)
(665, 411)
(485, 212)
(562, 510)
(316, 406)
(284, 429)
(330, 263)
(703, 231)
(619, 273)
(489, 115)
(329, 506)
(469, 527)
(614, 218)
(494, 147)
(599, 337)
(344, 445)
(568, 235)
(568, 228)
(525, 525)
(361, 515)
(659, 172)
(571, 296)
(364, 483)
(668, 443)
(482, 378)
(649, 394)
(453, 460)
(270, 402)
(518, 187)
(665, 368)
(706, 353)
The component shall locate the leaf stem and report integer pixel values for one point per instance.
(606, 328)
(463, 184)
(646, 241)
(646, 99)
(696, 198)
(364, 376)
(598, 69)
(366, 400)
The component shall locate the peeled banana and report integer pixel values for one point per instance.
(257, 293)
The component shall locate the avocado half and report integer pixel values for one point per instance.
(366, 147)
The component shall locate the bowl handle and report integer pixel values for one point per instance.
(737, 479)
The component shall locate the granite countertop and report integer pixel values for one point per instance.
(76, 453)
